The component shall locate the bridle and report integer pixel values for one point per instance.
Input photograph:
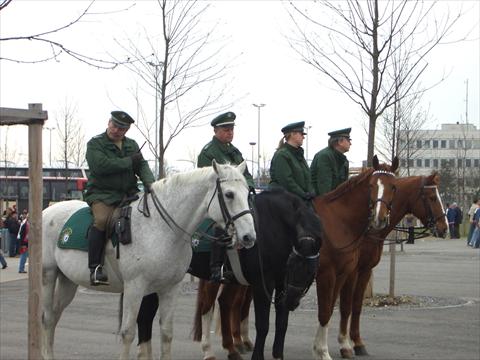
(172, 224)
(372, 204)
(227, 218)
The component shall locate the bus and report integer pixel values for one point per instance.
(58, 184)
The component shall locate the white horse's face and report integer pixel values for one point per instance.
(229, 206)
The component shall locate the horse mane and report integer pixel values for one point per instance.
(348, 185)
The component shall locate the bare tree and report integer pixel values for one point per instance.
(181, 67)
(56, 47)
(357, 43)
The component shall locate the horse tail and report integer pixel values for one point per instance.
(197, 320)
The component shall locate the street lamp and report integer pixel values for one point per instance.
(252, 143)
(50, 153)
(258, 106)
(306, 145)
(155, 76)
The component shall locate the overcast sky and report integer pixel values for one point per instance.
(266, 71)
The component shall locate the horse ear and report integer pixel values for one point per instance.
(214, 165)
(435, 178)
(375, 162)
(394, 166)
(242, 166)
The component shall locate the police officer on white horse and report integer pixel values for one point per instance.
(114, 161)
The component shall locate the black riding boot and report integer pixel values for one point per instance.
(96, 244)
(218, 256)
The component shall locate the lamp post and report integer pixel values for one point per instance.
(252, 143)
(50, 151)
(155, 76)
(258, 106)
(306, 145)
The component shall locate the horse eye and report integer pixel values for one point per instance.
(229, 195)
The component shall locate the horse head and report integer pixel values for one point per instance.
(302, 263)
(382, 191)
(426, 203)
(230, 207)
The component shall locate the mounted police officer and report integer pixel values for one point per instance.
(330, 167)
(222, 150)
(114, 161)
(288, 168)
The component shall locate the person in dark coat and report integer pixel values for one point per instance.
(330, 166)
(289, 169)
(13, 225)
(114, 161)
(221, 149)
(451, 215)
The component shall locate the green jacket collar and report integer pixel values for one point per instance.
(225, 148)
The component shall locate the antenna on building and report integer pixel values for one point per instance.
(466, 101)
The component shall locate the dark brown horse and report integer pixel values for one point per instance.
(362, 203)
(417, 195)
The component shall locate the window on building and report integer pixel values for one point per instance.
(435, 144)
(468, 144)
(403, 163)
(435, 163)
(451, 162)
(427, 163)
(459, 163)
(460, 144)
(419, 163)
(468, 163)
(426, 144)
(443, 144)
(419, 144)
(451, 144)
(410, 163)
(476, 163)
(443, 163)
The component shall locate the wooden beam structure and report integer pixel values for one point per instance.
(34, 117)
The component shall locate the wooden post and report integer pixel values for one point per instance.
(34, 117)
(35, 200)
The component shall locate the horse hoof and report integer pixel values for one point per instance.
(248, 346)
(360, 350)
(346, 353)
(240, 348)
(235, 356)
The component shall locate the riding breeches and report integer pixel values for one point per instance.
(101, 214)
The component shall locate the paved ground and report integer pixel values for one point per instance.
(442, 275)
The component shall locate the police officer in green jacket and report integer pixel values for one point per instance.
(222, 150)
(288, 168)
(329, 167)
(114, 161)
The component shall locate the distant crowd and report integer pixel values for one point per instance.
(14, 234)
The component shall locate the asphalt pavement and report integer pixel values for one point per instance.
(442, 320)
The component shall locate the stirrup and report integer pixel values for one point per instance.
(97, 277)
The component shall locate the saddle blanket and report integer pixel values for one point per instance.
(74, 234)
(200, 243)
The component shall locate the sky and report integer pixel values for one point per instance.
(266, 70)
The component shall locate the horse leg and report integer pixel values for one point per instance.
(58, 293)
(346, 298)
(206, 296)
(281, 324)
(167, 308)
(362, 282)
(325, 282)
(262, 317)
(131, 307)
(244, 313)
(226, 302)
(146, 314)
(236, 318)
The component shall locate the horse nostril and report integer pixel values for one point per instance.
(246, 239)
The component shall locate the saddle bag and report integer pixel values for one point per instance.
(122, 226)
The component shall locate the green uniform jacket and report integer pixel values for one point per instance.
(289, 170)
(111, 173)
(329, 169)
(222, 153)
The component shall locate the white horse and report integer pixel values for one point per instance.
(157, 258)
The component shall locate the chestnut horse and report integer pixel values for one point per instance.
(417, 195)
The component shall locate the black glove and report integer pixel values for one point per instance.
(147, 188)
(251, 191)
(136, 160)
(309, 196)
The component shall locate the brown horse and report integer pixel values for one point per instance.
(362, 203)
(417, 195)
(342, 237)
